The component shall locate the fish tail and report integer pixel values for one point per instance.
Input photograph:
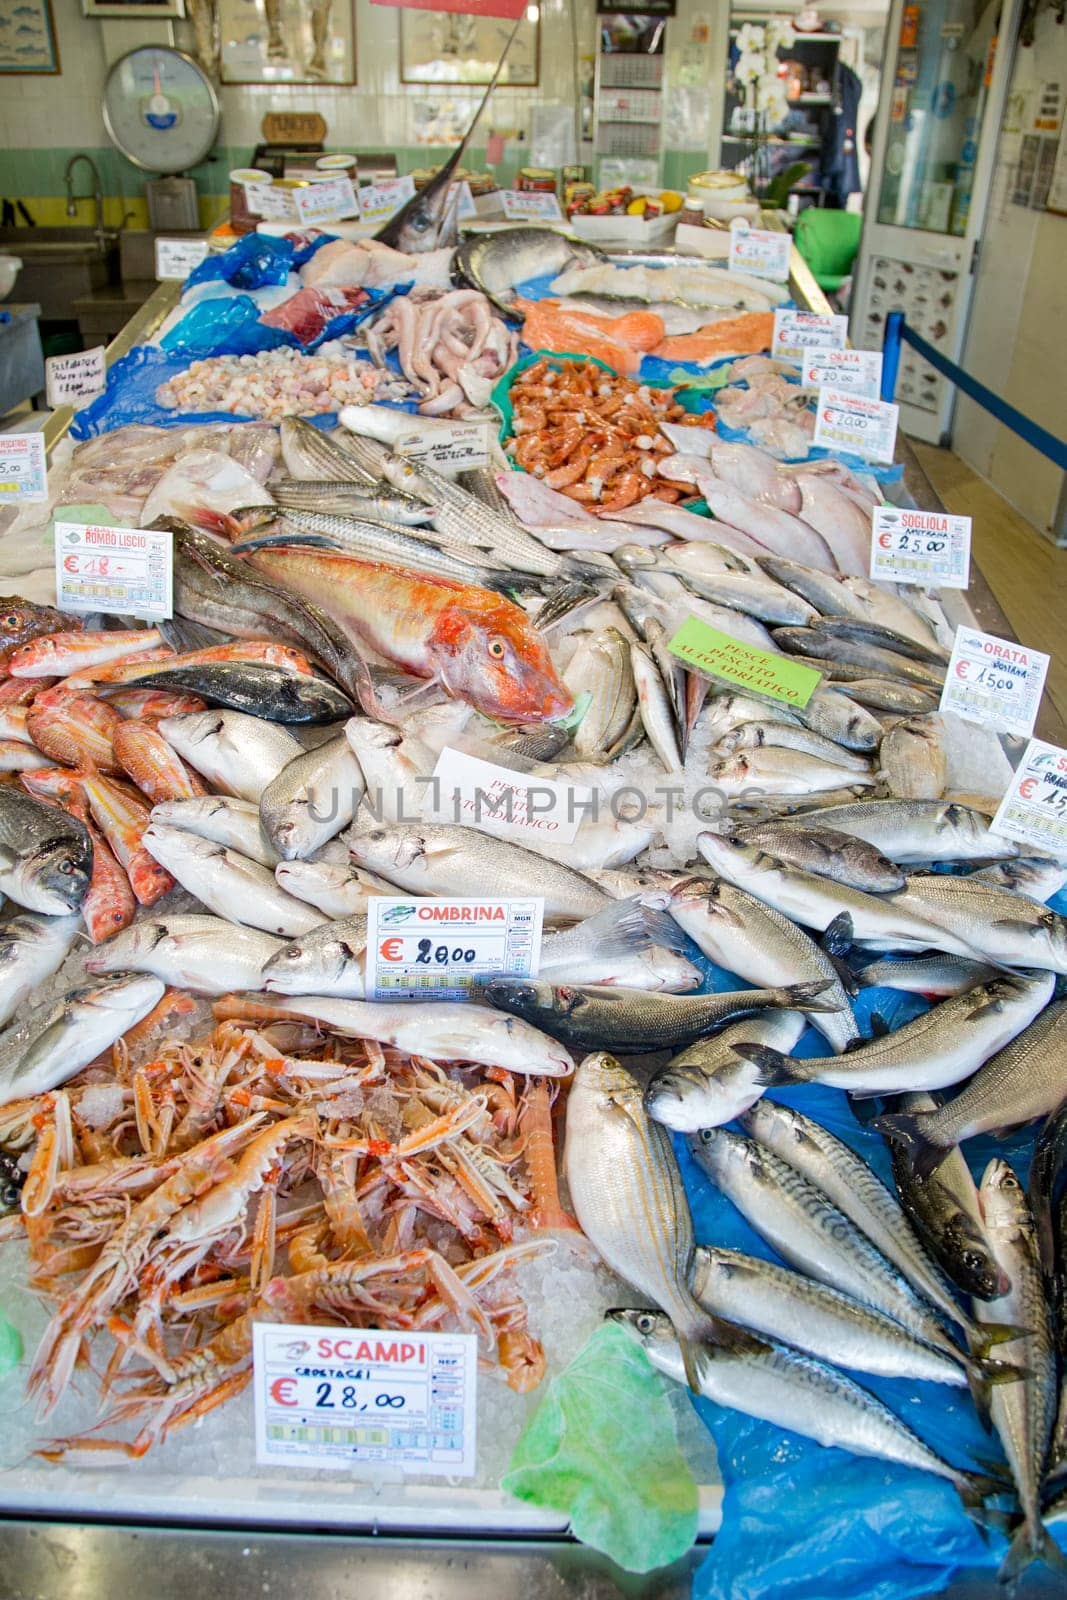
(983, 1376)
(805, 996)
(775, 1069)
(1032, 1542)
(907, 1128)
(703, 1330)
(981, 1337)
(629, 925)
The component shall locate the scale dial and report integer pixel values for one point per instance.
(160, 109)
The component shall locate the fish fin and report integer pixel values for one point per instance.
(985, 1335)
(775, 1069)
(835, 944)
(1017, 924)
(1032, 1542)
(879, 1025)
(181, 634)
(924, 1155)
(855, 1044)
(973, 1489)
(804, 996)
(982, 1377)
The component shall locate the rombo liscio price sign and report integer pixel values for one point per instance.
(1034, 810)
(124, 572)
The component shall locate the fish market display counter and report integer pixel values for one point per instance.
(210, 1521)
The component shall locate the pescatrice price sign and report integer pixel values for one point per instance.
(1034, 810)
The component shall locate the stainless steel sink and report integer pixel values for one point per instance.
(59, 266)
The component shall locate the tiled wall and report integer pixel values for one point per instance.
(45, 120)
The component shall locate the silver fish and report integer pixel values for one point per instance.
(1038, 877)
(882, 694)
(735, 582)
(780, 735)
(207, 955)
(464, 519)
(762, 946)
(936, 976)
(237, 753)
(355, 498)
(836, 717)
(65, 1033)
(913, 759)
(310, 453)
(794, 1391)
(933, 1051)
(657, 711)
(709, 1084)
(311, 799)
(882, 663)
(448, 859)
(223, 818)
(328, 961)
(1023, 1413)
(496, 262)
(32, 948)
(827, 853)
(820, 1321)
(628, 944)
(1024, 1081)
(227, 883)
(370, 541)
(910, 831)
(997, 925)
(46, 856)
(336, 889)
(850, 596)
(774, 771)
(628, 1196)
(601, 668)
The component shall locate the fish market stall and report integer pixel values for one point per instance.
(567, 531)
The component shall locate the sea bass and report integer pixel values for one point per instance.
(32, 948)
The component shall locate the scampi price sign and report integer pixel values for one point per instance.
(920, 547)
(853, 423)
(427, 949)
(994, 681)
(1034, 810)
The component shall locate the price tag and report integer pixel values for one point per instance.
(176, 258)
(339, 1397)
(852, 422)
(465, 206)
(922, 547)
(994, 682)
(329, 201)
(273, 205)
(452, 447)
(720, 656)
(797, 332)
(76, 376)
(435, 949)
(1034, 810)
(847, 371)
(23, 471)
(124, 572)
(521, 205)
(511, 805)
(759, 252)
(380, 201)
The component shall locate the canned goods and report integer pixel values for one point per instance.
(536, 180)
(242, 218)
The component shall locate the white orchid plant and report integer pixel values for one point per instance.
(762, 89)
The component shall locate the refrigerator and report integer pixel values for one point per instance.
(945, 74)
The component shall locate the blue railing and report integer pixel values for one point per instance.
(897, 333)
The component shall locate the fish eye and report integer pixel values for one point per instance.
(706, 1135)
(67, 867)
(11, 620)
(497, 649)
(645, 1323)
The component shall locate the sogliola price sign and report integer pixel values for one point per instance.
(124, 572)
(994, 681)
(334, 1397)
(758, 251)
(850, 422)
(422, 949)
(798, 332)
(1034, 810)
(921, 547)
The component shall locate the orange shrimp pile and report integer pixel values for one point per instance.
(268, 1172)
(593, 435)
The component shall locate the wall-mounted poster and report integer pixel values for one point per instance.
(287, 41)
(27, 37)
(133, 8)
(442, 47)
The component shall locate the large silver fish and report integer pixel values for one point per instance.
(223, 818)
(997, 924)
(709, 1084)
(46, 856)
(826, 852)
(237, 753)
(64, 1034)
(912, 831)
(328, 960)
(207, 955)
(228, 883)
(627, 943)
(32, 948)
(311, 799)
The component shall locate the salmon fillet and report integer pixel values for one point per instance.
(745, 335)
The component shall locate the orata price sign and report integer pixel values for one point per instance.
(1034, 810)
(430, 949)
(994, 681)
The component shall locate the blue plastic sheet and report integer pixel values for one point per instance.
(254, 260)
(802, 1522)
(230, 326)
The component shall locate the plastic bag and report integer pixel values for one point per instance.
(130, 396)
(229, 325)
(255, 259)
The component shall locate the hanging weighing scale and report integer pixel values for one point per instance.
(161, 111)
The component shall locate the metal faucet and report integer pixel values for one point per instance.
(99, 232)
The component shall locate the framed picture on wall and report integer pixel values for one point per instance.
(133, 8)
(448, 47)
(27, 37)
(287, 41)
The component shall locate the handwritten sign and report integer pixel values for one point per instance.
(380, 201)
(851, 422)
(503, 802)
(759, 252)
(455, 447)
(994, 682)
(721, 656)
(75, 376)
(329, 201)
(798, 332)
(521, 205)
(336, 1398)
(23, 471)
(124, 572)
(422, 949)
(847, 371)
(176, 258)
(273, 205)
(1034, 809)
(920, 547)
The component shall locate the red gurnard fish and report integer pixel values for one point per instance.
(147, 662)
(76, 730)
(68, 652)
(23, 691)
(478, 645)
(122, 817)
(157, 770)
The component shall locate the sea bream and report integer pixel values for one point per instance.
(46, 856)
(206, 955)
